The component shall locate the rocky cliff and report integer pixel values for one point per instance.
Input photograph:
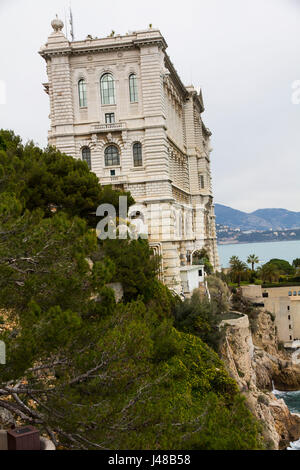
(254, 361)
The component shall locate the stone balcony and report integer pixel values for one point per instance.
(114, 126)
(114, 180)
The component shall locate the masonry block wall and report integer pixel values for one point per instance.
(173, 180)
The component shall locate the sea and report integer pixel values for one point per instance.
(288, 250)
(292, 399)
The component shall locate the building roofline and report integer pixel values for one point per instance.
(178, 81)
(94, 45)
(59, 45)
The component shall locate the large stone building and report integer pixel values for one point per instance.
(284, 303)
(118, 103)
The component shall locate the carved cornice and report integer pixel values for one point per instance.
(205, 130)
(149, 42)
(172, 91)
(94, 46)
(175, 76)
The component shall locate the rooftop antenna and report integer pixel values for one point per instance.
(71, 24)
(66, 25)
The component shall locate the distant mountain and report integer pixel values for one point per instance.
(279, 218)
(262, 219)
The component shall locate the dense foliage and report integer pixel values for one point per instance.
(238, 270)
(88, 372)
(283, 266)
(201, 257)
(201, 316)
(49, 180)
(274, 272)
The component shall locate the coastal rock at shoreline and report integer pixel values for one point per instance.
(253, 360)
(287, 378)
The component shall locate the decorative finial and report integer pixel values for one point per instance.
(57, 24)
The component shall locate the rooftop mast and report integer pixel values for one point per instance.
(66, 26)
(71, 24)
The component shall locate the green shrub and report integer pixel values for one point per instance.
(263, 399)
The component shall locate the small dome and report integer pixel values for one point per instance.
(57, 24)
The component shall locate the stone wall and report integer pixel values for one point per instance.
(166, 120)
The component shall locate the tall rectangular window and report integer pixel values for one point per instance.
(107, 86)
(133, 88)
(201, 181)
(137, 154)
(82, 94)
(86, 156)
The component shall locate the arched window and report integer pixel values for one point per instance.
(82, 93)
(137, 154)
(107, 86)
(133, 88)
(112, 156)
(86, 156)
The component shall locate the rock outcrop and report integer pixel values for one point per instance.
(6, 419)
(254, 361)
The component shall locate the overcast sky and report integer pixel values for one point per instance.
(244, 54)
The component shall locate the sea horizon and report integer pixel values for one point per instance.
(287, 250)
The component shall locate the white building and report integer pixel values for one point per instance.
(192, 277)
(118, 103)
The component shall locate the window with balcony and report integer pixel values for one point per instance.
(107, 86)
(137, 154)
(133, 88)
(112, 156)
(109, 118)
(82, 93)
(86, 156)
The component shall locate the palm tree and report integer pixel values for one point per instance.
(269, 272)
(252, 259)
(237, 268)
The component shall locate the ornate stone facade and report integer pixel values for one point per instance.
(173, 179)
